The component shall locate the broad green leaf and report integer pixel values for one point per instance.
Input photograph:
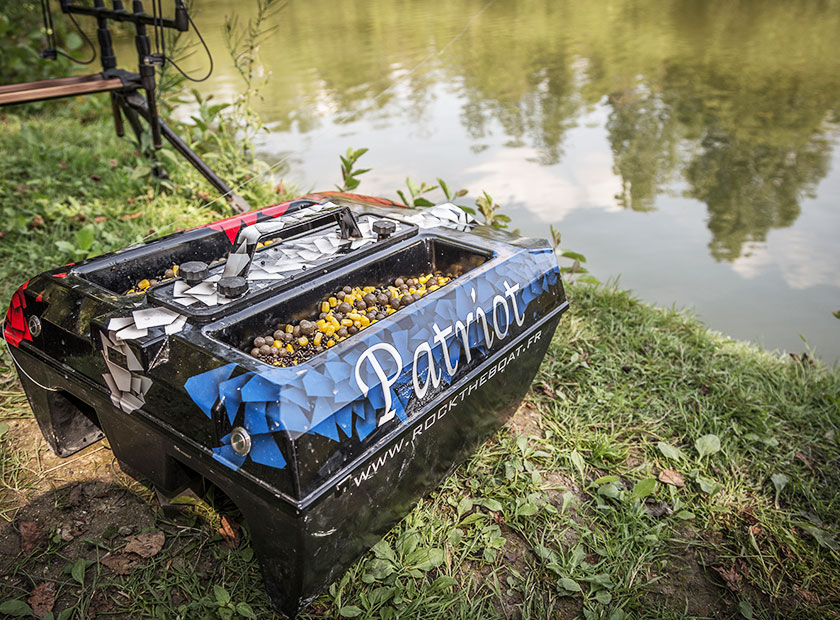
(497, 543)
(355, 154)
(78, 570)
(4, 428)
(707, 485)
(425, 559)
(644, 488)
(707, 444)
(670, 452)
(472, 518)
(15, 608)
(383, 550)
(444, 188)
(602, 580)
(442, 582)
(85, 237)
(573, 255)
(568, 498)
(510, 470)
(407, 543)
(492, 505)
(389, 613)
(222, 595)
(578, 462)
(578, 555)
(544, 553)
(527, 509)
(823, 538)
(140, 171)
(244, 610)
(168, 155)
(609, 490)
(464, 506)
(686, 515)
(411, 187)
(746, 609)
(570, 584)
(65, 246)
(605, 480)
(423, 202)
(779, 481)
(381, 595)
(379, 569)
(555, 568)
(349, 611)
(603, 597)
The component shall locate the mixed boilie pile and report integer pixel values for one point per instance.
(342, 314)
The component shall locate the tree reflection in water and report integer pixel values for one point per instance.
(735, 103)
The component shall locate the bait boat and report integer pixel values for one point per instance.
(325, 362)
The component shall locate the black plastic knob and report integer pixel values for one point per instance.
(384, 228)
(232, 287)
(193, 272)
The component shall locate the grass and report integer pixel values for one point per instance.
(562, 514)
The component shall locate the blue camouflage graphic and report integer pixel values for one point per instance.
(323, 397)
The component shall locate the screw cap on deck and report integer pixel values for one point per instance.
(384, 228)
(193, 272)
(240, 441)
(232, 287)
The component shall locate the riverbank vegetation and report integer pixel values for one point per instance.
(656, 469)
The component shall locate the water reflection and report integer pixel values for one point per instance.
(735, 101)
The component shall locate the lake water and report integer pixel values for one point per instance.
(688, 149)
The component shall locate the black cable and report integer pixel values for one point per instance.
(206, 49)
(49, 28)
(86, 38)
